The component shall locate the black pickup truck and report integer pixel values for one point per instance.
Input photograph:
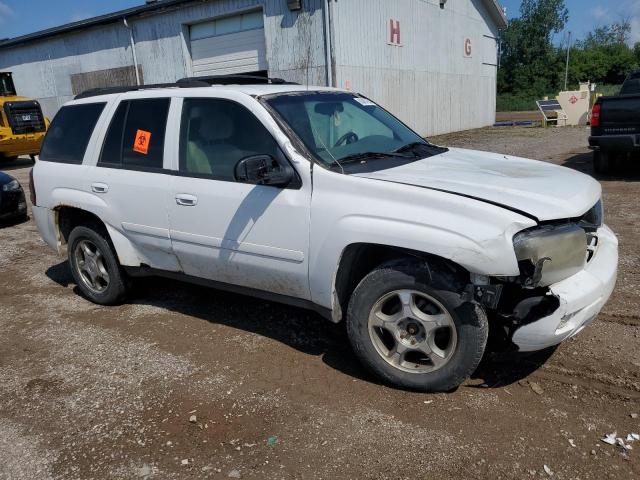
(615, 126)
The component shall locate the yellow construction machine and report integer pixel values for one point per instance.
(22, 123)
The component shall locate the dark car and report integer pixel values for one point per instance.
(13, 204)
(615, 126)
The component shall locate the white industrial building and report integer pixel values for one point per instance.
(432, 63)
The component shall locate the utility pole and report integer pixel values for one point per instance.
(566, 70)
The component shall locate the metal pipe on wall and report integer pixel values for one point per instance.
(327, 43)
(133, 50)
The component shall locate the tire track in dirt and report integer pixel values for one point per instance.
(595, 382)
(628, 319)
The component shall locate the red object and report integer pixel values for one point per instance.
(394, 28)
(32, 188)
(141, 142)
(595, 115)
(573, 99)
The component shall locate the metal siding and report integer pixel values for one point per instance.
(427, 81)
(159, 38)
(43, 68)
(119, 76)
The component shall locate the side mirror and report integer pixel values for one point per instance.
(263, 170)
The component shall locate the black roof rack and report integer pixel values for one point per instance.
(93, 92)
(239, 79)
(189, 82)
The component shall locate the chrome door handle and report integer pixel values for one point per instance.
(99, 187)
(186, 200)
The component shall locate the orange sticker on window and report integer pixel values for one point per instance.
(141, 142)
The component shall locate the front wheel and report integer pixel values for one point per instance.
(415, 331)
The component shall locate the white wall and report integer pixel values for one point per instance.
(427, 82)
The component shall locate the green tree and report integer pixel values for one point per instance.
(531, 66)
(608, 35)
(603, 55)
(529, 61)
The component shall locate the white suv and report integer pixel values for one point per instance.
(320, 198)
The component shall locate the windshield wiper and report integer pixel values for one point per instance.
(413, 146)
(409, 146)
(364, 156)
(371, 155)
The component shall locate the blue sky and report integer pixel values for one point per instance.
(18, 17)
(584, 15)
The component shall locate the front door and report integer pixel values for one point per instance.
(255, 236)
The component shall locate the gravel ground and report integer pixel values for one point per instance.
(185, 382)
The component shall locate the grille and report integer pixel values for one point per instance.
(9, 202)
(24, 117)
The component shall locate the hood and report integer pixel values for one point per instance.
(5, 178)
(539, 189)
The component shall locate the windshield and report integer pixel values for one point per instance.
(6, 85)
(339, 128)
(631, 85)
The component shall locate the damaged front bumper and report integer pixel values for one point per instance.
(581, 298)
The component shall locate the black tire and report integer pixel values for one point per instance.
(470, 324)
(618, 162)
(601, 162)
(116, 288)
(5, 158)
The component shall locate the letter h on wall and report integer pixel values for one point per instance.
(394, 32)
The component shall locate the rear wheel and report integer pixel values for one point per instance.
(600, 162)
(604, 161)
(415, 332)
(95, 267)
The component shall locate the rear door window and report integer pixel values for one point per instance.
(135, 139)
(69, 133)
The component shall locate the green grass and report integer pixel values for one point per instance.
(608, 89)
(510, 102)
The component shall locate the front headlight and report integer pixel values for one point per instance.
(593, 218)
(12, 186)
(549, 254)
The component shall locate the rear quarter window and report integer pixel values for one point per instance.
(69, 133)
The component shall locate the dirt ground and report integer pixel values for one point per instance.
(275, 392)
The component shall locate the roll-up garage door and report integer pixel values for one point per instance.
(229, 45)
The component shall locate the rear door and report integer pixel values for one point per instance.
(60, 165)
(129, 182)
(255, 236)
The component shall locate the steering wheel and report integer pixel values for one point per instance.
(349, 137)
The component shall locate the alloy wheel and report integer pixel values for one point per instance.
(90, 266)
(412, 331)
